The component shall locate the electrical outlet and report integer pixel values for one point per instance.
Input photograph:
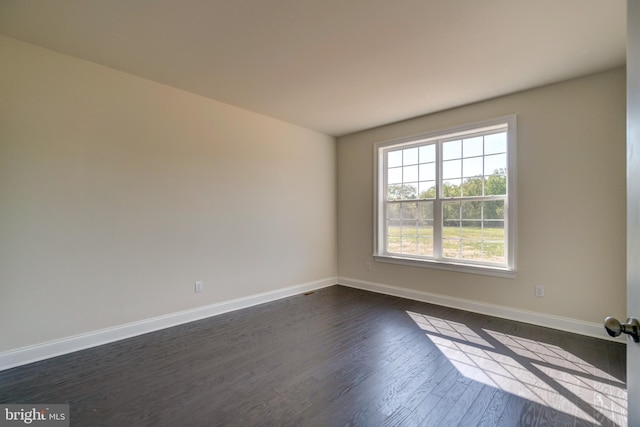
(367, 266)
(199, 286)
(539, 290)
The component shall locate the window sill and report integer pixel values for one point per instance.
(450, 266)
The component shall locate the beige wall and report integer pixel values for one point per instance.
(571, 202)
(118, 193)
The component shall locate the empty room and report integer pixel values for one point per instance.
(319, 213)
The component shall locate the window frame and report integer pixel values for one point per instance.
(380, 254)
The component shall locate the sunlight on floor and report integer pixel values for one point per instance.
(540, 372)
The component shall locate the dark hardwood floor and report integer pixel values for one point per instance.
(339, 356)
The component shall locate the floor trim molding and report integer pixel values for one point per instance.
(34, 353)
(547, 320)
(24, 355)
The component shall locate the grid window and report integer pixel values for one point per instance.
(445, 198)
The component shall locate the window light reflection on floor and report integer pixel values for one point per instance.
(536, 371)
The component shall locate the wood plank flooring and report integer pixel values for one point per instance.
(339, 356)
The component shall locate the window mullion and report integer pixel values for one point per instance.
(437, 208)
(437, 229)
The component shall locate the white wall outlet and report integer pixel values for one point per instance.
(199, 286)
(539, 290)
(367, 266)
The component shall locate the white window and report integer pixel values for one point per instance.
(447, 199)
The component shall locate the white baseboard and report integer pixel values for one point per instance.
(34, 353)
(595, 330)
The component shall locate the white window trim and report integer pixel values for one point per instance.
(378, 178)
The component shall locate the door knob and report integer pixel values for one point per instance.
(615, 328)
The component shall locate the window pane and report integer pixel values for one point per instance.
(428, 172)
(394, 159)
(472, 167)
(451, 239)
(410, 211)
(427, 190)
(471, 230)
(451, 169)
(451, 188)
(425, 211)
(451, 150)
(472, 187)
(394, 244)
(394, 239)
(402, 191)
(410, 173)
(494, 231)
(496, 143)
(428, 153)
(494, 252)
(393, 210)
(471, 249)
(472, 147)
(412, 190)
(472, 210)
(410, 156)
(451, 248)
(450, 210)
(494, 209)
(394, 176)
(495, 185)
(451, 228)
(410, 246)
(425, 246)
(496, 163)
(394, 227)
(425, 228)
(409, 228)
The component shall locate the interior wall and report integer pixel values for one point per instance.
(118, 193)
(570, 192)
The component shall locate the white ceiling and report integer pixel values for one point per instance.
(335, 66)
